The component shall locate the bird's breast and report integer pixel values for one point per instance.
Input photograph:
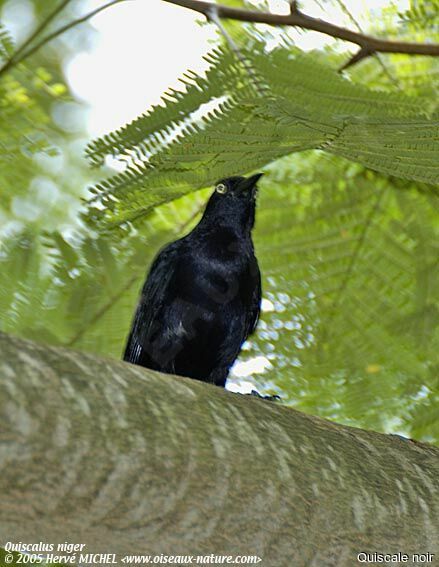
(221, 271)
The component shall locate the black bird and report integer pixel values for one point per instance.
(201, 299)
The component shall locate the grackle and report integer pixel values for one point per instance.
(201, 299)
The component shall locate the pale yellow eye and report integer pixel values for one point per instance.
(221, 188)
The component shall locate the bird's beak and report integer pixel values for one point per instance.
(250, 182)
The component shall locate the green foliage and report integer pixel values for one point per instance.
(296, 103)
(354, 329)
(346, 235)
(6, 43)
(25, 104)
(422, 14)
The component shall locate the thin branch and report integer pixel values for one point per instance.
(17, 58)
(377, 56)
(213, 17)
(39, 29)
(362, 53)
(301, 20)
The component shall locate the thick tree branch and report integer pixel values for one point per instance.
(130, 461)
(368, 44)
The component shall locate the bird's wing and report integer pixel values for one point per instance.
(252, 316)
(150, 305)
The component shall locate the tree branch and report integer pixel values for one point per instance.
(361, 54)
(368, 44)
(23, 53)
(377, 56)
(213, 17)
(17, 56)
(39, 29)
(128, 461)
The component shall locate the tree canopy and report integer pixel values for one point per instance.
(347, 224)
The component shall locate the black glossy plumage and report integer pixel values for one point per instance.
(201, 299)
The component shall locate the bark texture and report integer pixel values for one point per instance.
(130, 461)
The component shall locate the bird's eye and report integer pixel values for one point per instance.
(221, 188)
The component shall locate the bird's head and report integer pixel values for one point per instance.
(233, 202)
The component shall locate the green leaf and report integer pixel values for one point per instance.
(225, 124)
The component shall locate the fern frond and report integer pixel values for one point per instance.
(220, 127)
(422, 14)
(6, 43)
(357, 316)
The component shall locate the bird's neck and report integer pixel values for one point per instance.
(224, 228)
